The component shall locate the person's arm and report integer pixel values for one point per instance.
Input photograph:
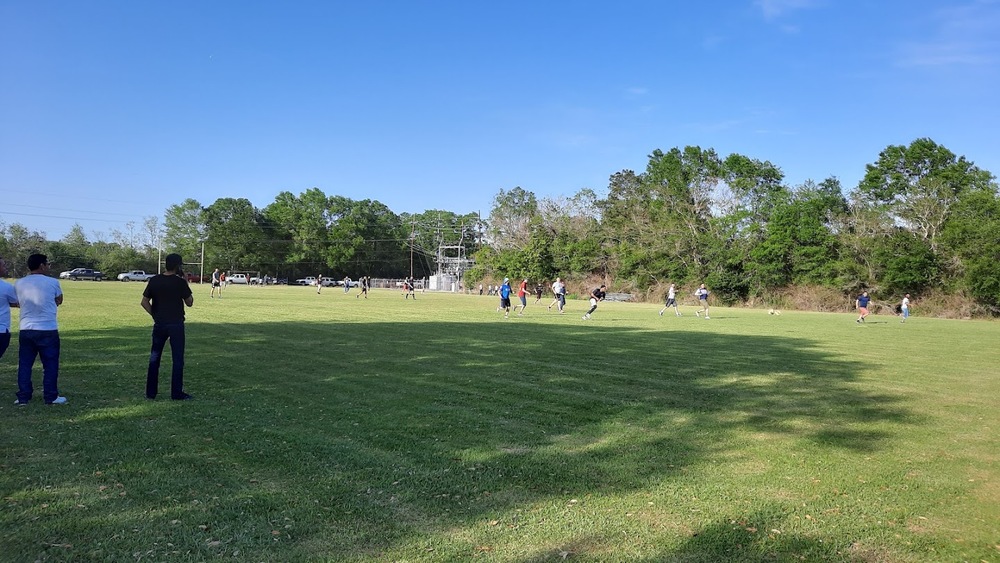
(147, 305)
(189, 300)
(59, 300)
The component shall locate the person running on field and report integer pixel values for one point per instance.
(559, 291)
(596, 297)
(319, 283)
(505, 291)
(539, 290)
(702, 294)
(861, 304)
(522, 295)
(671, 301)
(904, 308)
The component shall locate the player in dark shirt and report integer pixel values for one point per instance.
(596, 297)
(164, 299)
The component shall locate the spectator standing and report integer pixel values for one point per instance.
(164, 299)
(8, 299)
(39, 297)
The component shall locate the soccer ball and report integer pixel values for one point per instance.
(774, 312)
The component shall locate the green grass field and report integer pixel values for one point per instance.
(326, 427)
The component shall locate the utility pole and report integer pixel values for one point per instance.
(413, 230)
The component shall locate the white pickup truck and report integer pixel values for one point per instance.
(134, 275)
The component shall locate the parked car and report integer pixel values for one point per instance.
(65, 275)
(134, 275)
(308, 280)
(328, 282)
(85, 274)
(237, 278)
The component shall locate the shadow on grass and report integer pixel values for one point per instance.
(355, 439)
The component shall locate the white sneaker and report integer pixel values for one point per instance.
(707, 317)
(697, 313)
(661, 313)
(59, 401)
(20, 403)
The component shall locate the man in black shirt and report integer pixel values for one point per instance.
(596, 297)
(164, 299)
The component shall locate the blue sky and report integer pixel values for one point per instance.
(111, 111)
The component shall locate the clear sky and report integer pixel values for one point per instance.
(111, 111)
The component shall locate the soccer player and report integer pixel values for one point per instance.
(702, 294)
(596, 297)
(504, 292)
(671, 301)
(522, 295)
(559, 291)
(216, 283)
(861, 304)
(904, 308)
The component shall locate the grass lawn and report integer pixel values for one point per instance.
(326, 427)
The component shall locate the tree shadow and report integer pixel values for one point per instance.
(444, 423)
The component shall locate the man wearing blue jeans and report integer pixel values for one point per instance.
(164, 299)
(39, 296)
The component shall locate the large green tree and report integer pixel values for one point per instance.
(236, 236)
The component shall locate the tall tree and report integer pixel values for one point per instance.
(916, 185)
(235, 234)
(303, 220)
(511, 218)
(184, 229)
(19, 242)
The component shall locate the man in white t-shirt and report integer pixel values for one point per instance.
(559, 291)
(671, 301)
(8, 299)
(39, 297)
(904, 308)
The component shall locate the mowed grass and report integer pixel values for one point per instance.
(327, 427)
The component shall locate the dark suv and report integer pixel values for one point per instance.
(85, 274)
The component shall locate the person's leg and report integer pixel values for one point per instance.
(155, 354)
(562, 302)
(4, 343)
(48, 352)
(175, 333)
(26, 352)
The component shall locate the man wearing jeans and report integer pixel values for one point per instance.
(39, 297)
(164, 299)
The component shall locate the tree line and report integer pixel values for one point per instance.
(922, 219)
